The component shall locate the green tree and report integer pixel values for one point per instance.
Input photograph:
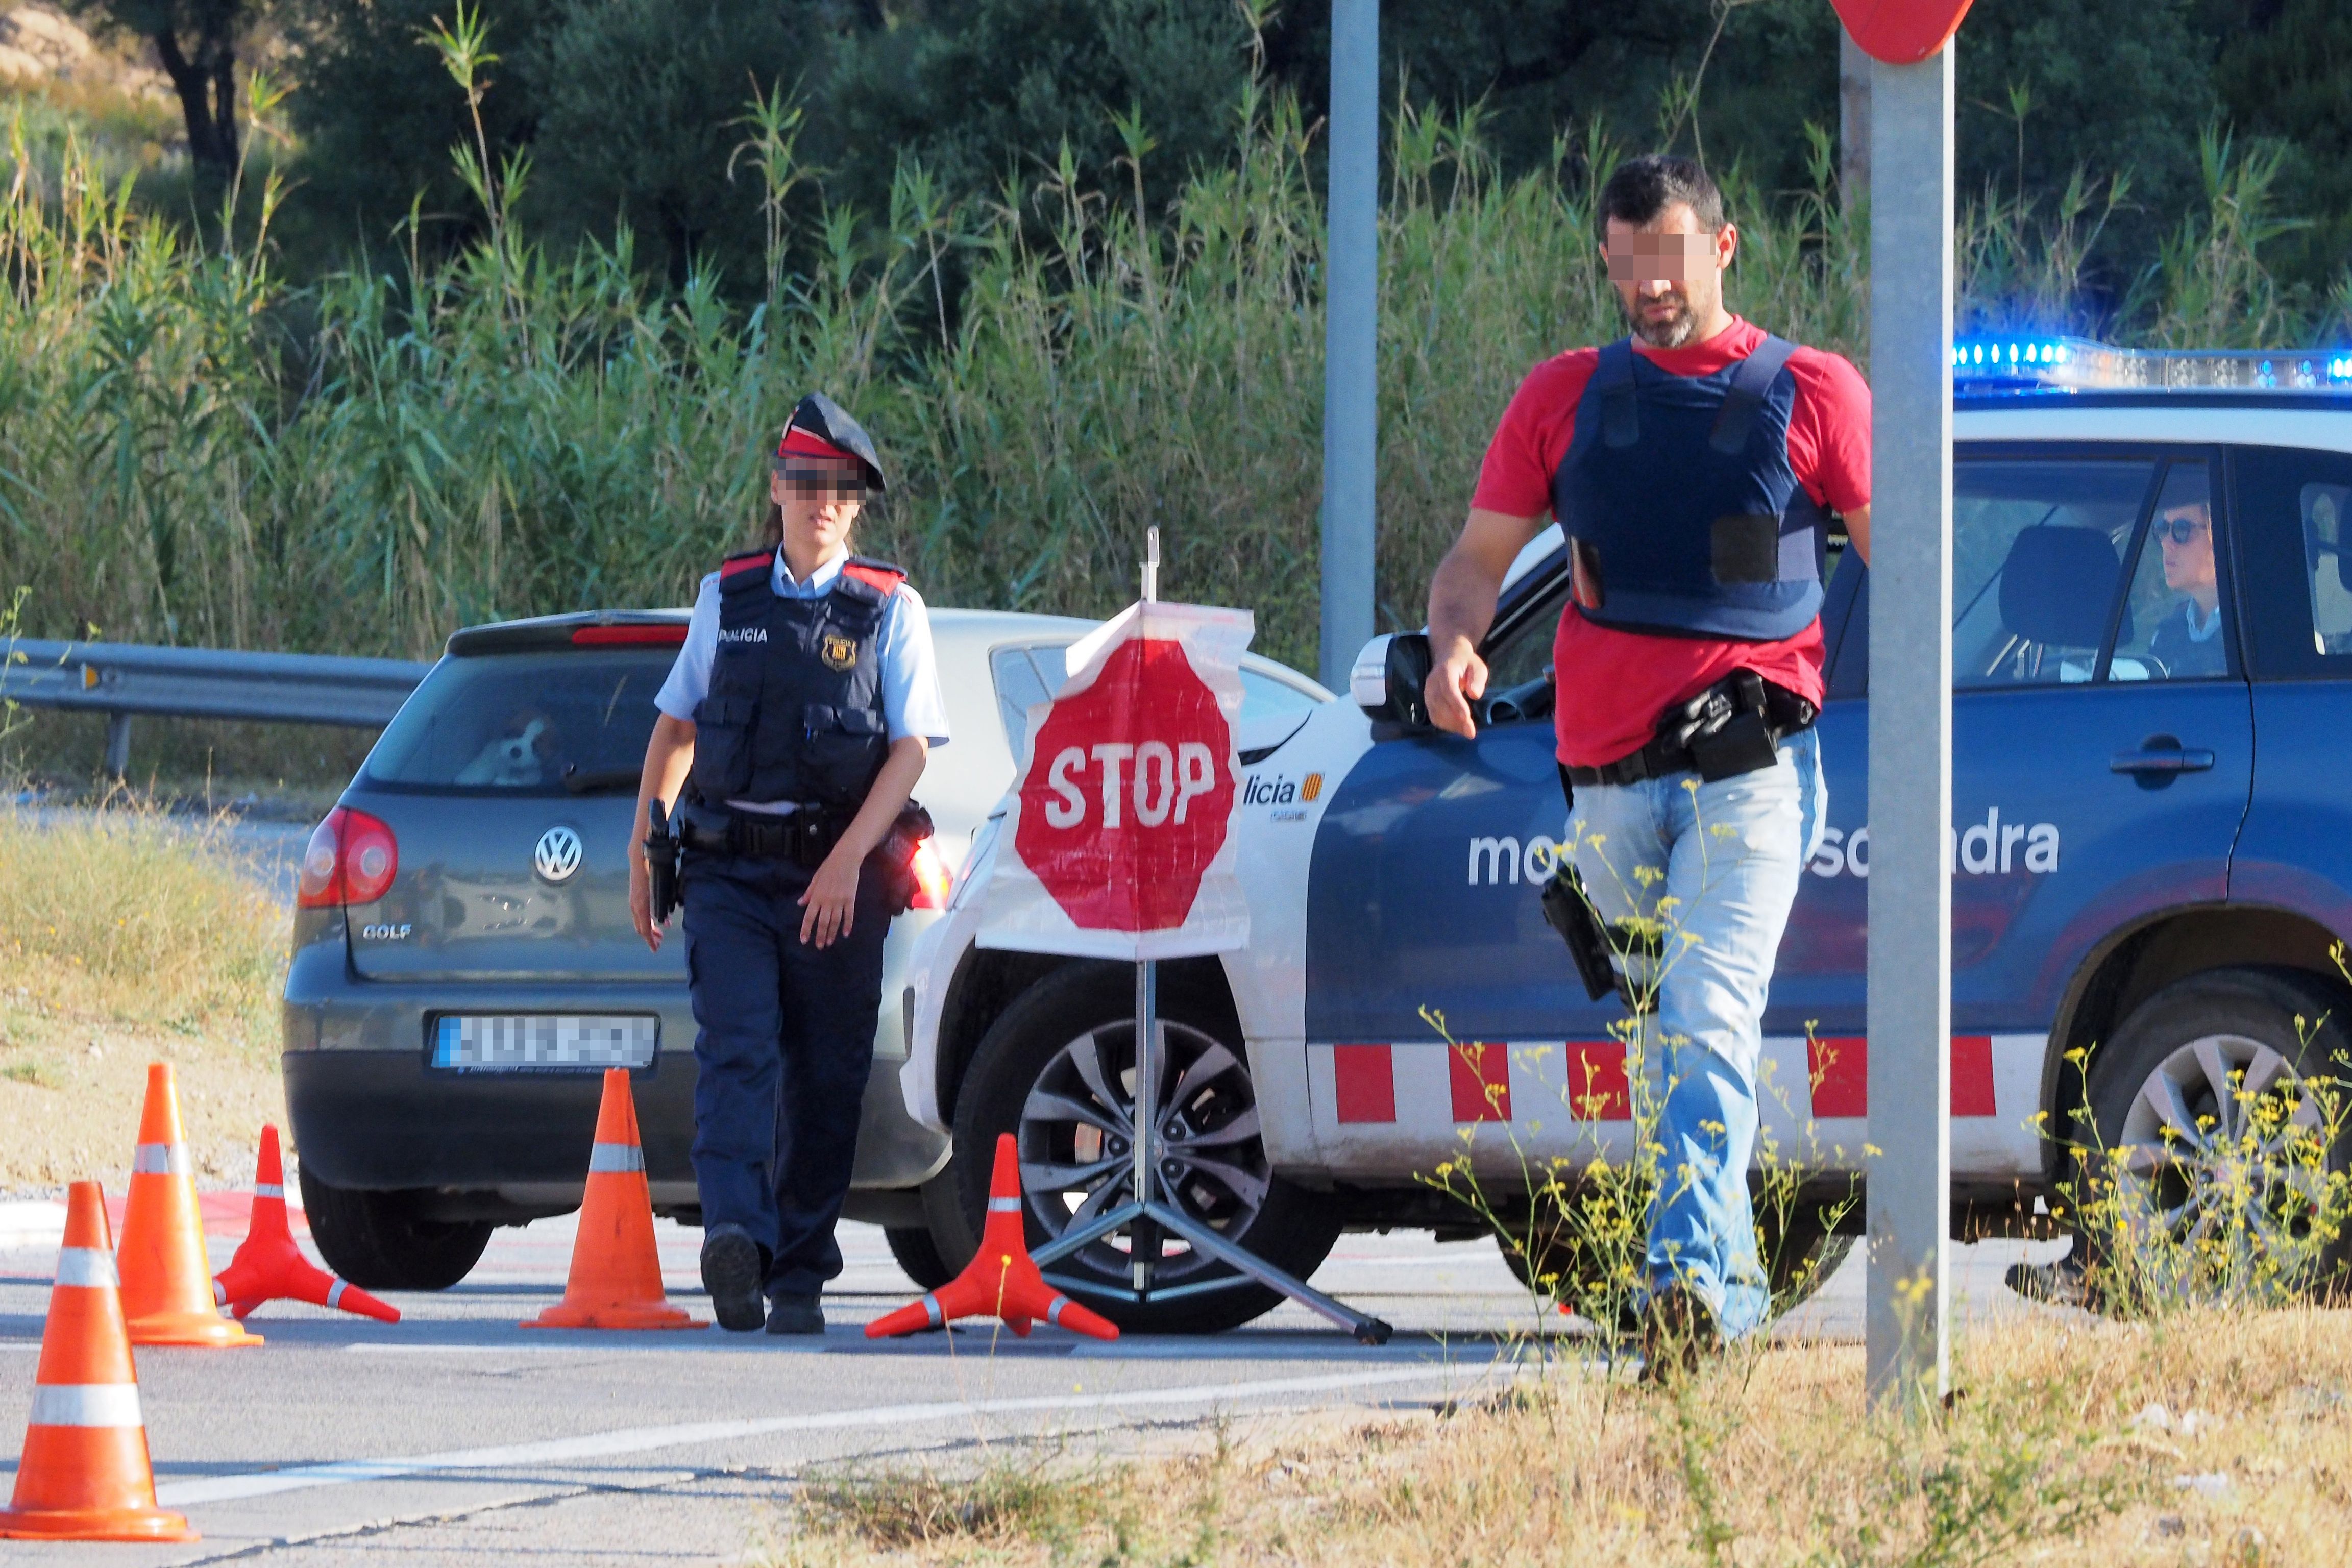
(976, 88)
(377, 115)
(196, 43)
(2287, 74)
(640, 110)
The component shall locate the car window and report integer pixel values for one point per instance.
(1527, 652)
(1025, 676)
(2172, 627)
(2327, 550)
(2038, 548)
(526, 724)
(2294, 514)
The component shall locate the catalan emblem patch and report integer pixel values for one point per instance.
(839, 652)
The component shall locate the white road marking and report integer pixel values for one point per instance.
(642, 1440)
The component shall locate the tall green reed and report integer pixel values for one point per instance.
(191, 450)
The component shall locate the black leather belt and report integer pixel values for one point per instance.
(1733, 727)
(805, 833)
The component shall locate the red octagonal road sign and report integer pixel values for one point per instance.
(1901, 32)
(1129, 792)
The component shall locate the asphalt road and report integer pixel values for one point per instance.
(456, 1436)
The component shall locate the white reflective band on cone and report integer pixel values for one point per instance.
(268, 1190)
(87, 1266)
(220, 1294)
(1005, 1206)
(335, 1293)
(161, 1160)
(86, 1405)
(608, 1159)
(931, 1310)
(1054, 1312)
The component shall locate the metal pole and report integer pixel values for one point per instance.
(1351, 336)
(118, 746)
(1143, 1236)
(1910, 966)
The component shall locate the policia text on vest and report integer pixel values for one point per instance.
(793, 728)
(1693, 468)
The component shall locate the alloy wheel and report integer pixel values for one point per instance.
(1076, 1140)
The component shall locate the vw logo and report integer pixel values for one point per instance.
(558, 854)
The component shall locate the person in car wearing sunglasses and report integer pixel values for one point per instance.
(795, 723)
(2188, 641)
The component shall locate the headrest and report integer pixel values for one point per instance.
(2057, 585)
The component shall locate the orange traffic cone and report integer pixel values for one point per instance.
(85, 1475)
(616, 1279)
(268, 1267)
(1001, 1281)
(167, 1281)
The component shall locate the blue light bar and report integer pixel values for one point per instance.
(2079, 363)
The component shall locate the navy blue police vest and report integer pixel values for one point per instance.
(795, 709)
(1683, 515)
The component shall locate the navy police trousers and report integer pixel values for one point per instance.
(781, 1057)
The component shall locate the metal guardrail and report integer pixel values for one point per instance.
(120, 679)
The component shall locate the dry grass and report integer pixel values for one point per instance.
(2051, 1454)
(127, 938)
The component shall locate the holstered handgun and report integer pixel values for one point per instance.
(662, 851)
(1569, 912)
(897, 853)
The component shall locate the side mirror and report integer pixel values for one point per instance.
(1388, 678)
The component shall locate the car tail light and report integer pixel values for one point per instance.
(933, 881)
(351, 858)
(672, 633)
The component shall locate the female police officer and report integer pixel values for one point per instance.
(796, 721)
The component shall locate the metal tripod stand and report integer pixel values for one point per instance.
(1144, 1217)
(1149, 1220)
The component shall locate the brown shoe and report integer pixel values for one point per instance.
(1677, 1329)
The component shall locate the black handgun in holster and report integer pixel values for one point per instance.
(905, 841)
(1568, 910)
(662, 852)
(1735, 726)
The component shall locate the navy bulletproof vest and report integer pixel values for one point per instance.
(794, 710)
(1681, 514)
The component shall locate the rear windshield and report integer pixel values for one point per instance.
(531, 723)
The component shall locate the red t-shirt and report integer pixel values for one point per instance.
(1615, 684)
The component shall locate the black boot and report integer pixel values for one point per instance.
(795, 1315)
(732, 1266)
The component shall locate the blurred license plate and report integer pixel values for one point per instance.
(515, 1042)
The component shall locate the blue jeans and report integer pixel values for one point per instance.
(1716, 866)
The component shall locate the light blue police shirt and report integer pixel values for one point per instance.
(911, 704)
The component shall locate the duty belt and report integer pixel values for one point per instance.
(1733, 727)
(805, 833)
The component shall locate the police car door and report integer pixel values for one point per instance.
(1424, 923)
(2101, 766)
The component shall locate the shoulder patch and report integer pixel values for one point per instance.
(734, 566)
(878, 574)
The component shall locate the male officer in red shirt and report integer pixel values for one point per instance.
(1692, 467)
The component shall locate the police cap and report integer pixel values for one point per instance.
(821, 417)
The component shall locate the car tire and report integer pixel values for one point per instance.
(911, 1245)
(1063, 1054)
(376, 1241)
(2255, 1023)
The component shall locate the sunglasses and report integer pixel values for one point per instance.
(2180, 530)
(822, 479)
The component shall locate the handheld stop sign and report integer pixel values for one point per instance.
(1121, 830)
